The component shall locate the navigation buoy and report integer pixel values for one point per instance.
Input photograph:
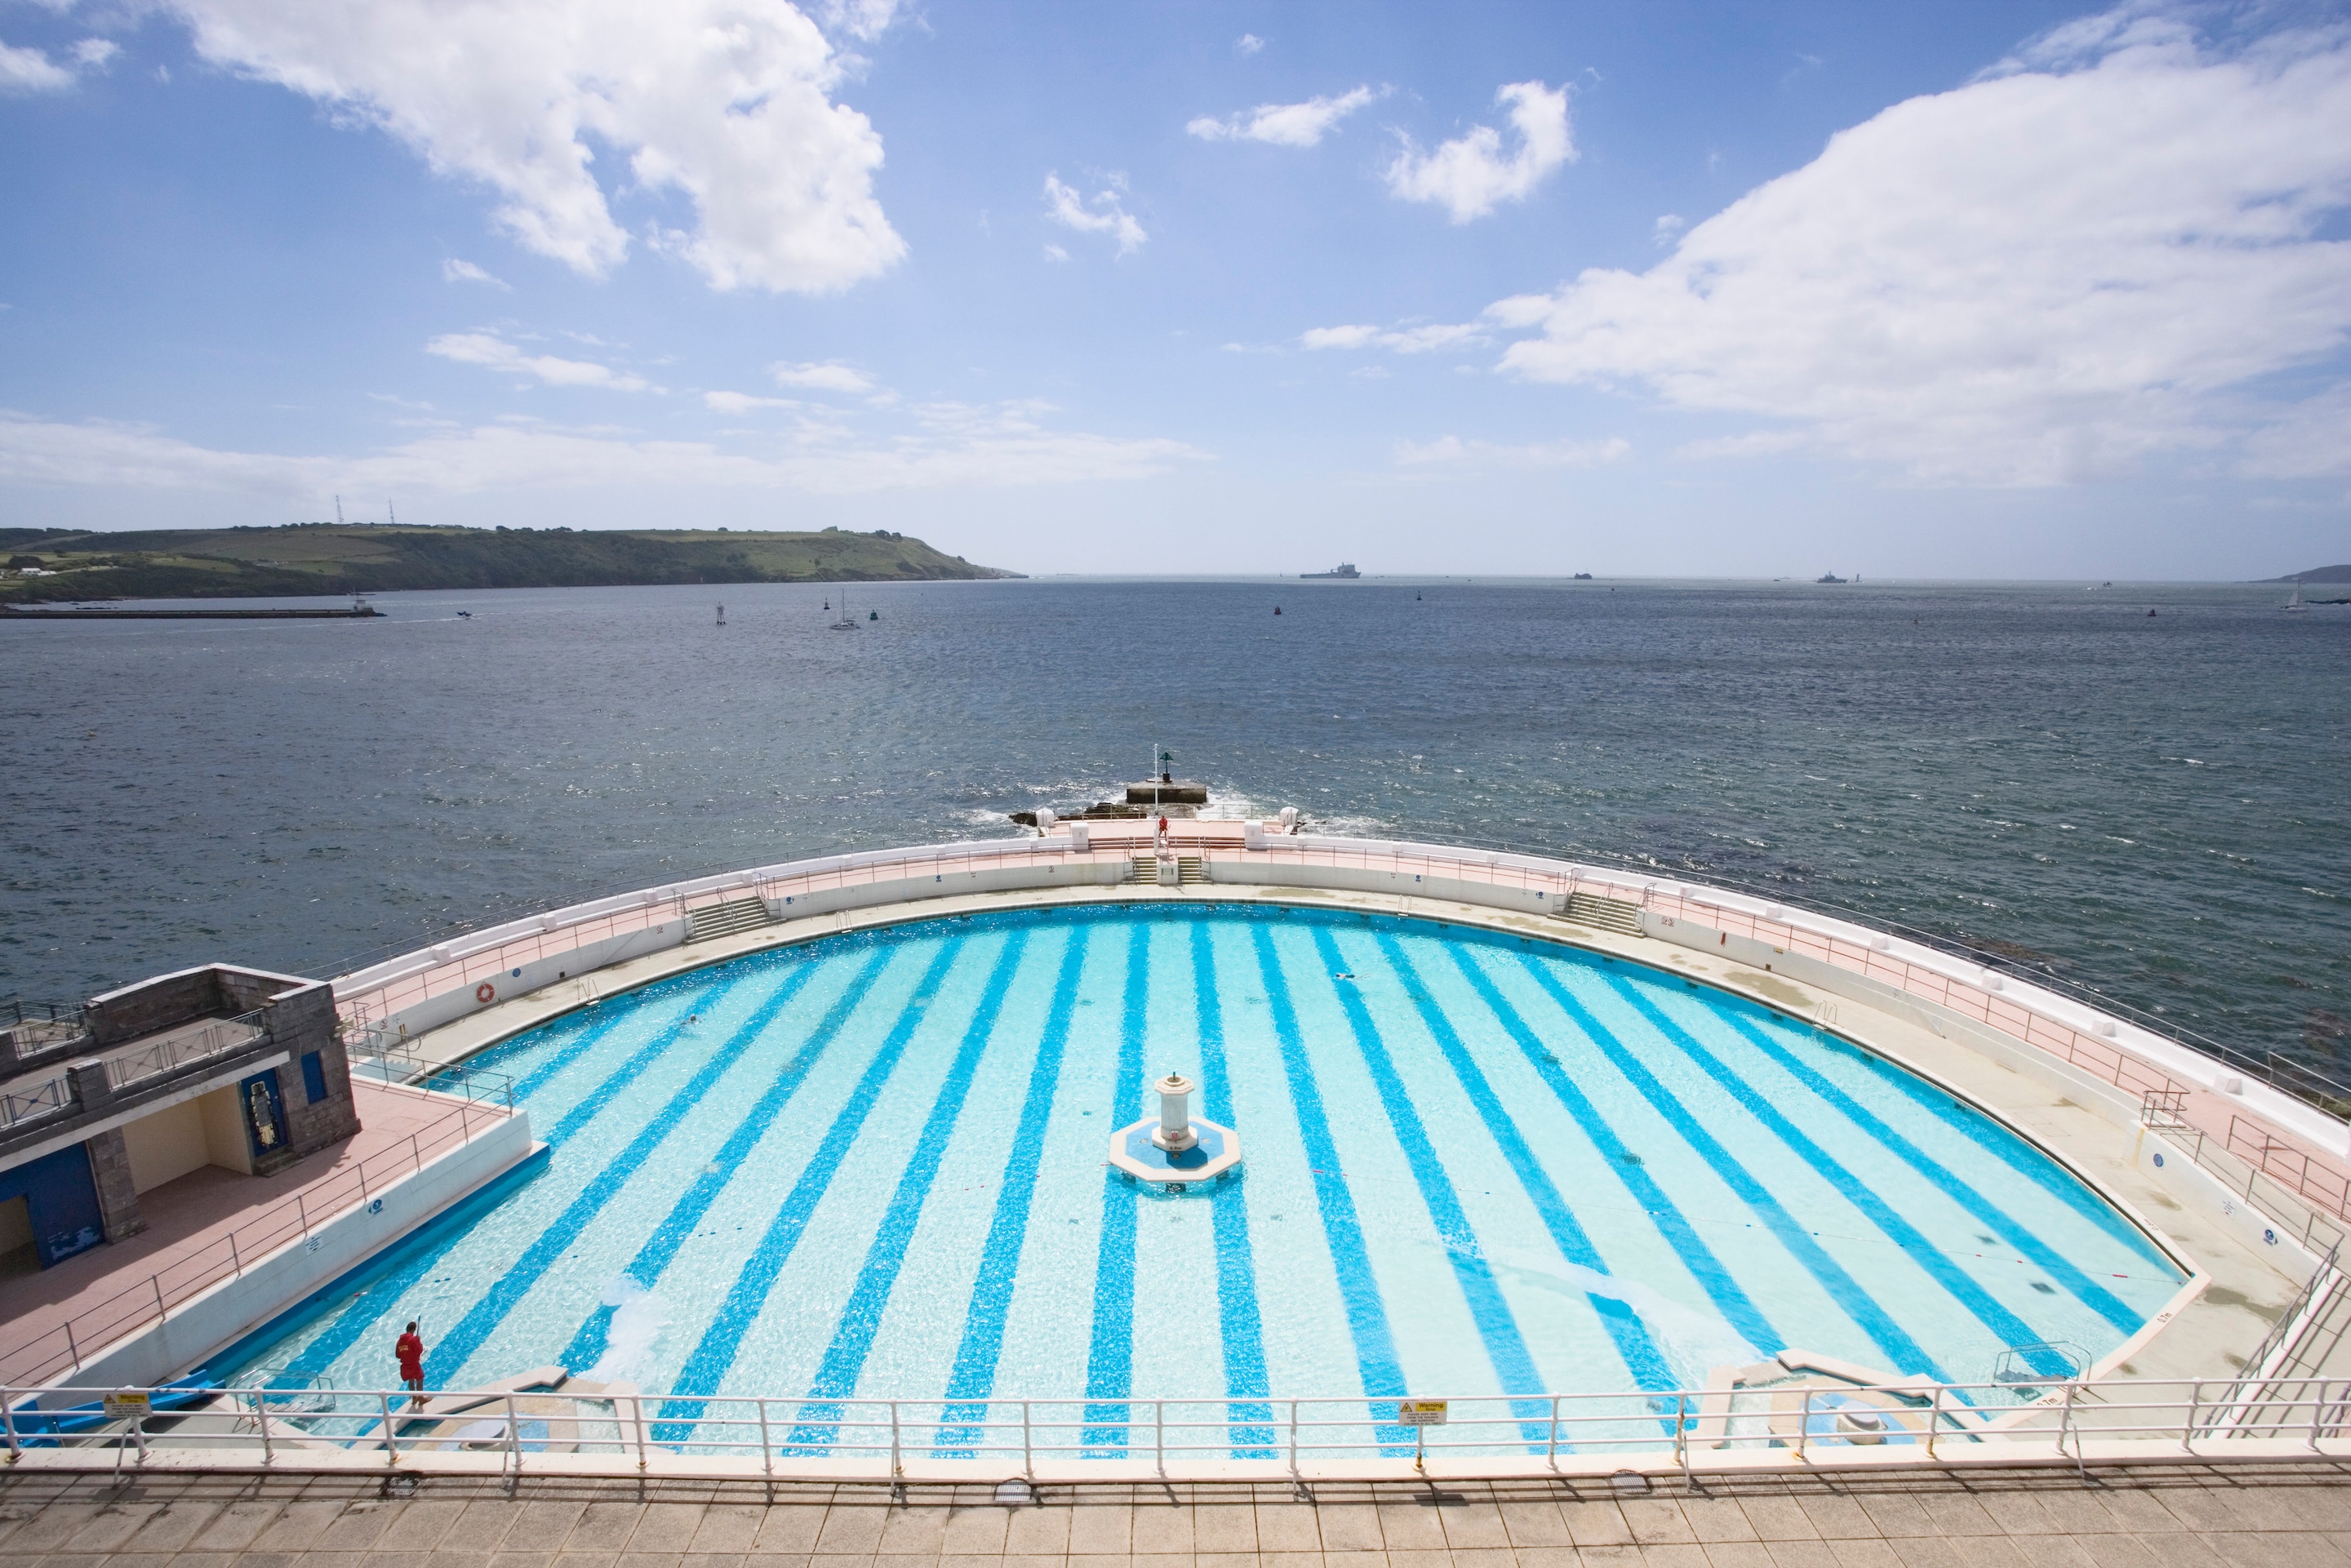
(1277, 610)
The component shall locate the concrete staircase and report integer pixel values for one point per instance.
(1147, 870)
(1189, 873)
(1607, 913)
(728, 919)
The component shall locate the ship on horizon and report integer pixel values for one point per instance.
(1345, 569)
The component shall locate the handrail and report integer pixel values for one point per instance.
(2086, 1033)
(56, 1351)
(2131, 1421)
(177, 1049)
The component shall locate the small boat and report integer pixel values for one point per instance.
(464, 615)
(2295, 603)
(847, 623)
(1828, 577)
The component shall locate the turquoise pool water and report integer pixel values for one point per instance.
(1475, 1164)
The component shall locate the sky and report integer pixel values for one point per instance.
(2006, 289)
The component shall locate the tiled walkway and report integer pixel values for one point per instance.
(188, 1218)
(2187, 1518)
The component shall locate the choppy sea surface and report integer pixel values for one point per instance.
(2158, 806)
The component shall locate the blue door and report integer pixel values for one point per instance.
(61, 1201)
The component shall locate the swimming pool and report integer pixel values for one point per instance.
(871, 1165)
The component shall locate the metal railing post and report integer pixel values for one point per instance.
(235, 1265)
(1681, 1434)
(897, 1455)
(161, 1310)
(1159, 1436)
(2318, 1412)
(1027, 1463)
(72, 1349)
(637, 1407)
(1293, 1436)
(1550, 1448)
(514, 1435)
(2065, 1417)
(261, 1419)
(301, 1214)
(766, 1454)
(8, 1423)
(1934, 1418)
(2195, 1412)
(391, 1436)
(1805, 1426)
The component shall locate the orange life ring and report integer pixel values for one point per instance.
(485, 992)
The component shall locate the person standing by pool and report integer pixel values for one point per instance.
(411, 1352)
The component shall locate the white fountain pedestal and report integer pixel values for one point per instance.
(1174, 1150)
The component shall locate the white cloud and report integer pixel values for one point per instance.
(2045, 276)
(1055, 253)
(30, 71)
(861, 19)
(1066, 208)
(1249, 43)
(828, 377)
(2311, 440)
(1468, 174)
(952, 446)
(456, 271)
(1284, 125)
(1452, 449)
(726, 104)
(495, 353)
(1402, 340)
(742, 403)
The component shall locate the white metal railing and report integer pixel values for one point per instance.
(59, 1350)
(2300, 1147)
(2136, 1422)
(216, 1036)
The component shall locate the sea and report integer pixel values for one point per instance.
(2141, 790)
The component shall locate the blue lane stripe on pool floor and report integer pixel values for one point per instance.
(1236, 1305)
(1376, 1365)
(860, 1319)
(587, 1347)
(1907, 1356)
(706, 1367)
(2088, 1292)
(1986, 1309)
(1624, 1327)
(1110, 1349)
(1497, 1326)
(972, 1378)
(460, 1343)
(1720, 1287)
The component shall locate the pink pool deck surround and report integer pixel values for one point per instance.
(206, 1225)
(2292, 1144)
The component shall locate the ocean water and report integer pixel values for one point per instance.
(2157, 806)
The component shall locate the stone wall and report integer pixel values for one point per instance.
(302, 1021)
(118, 1199)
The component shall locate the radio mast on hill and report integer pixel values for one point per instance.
(339, 511)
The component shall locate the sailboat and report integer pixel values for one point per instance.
(847, 623)
(2295, 603)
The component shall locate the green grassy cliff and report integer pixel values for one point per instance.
(318, 557)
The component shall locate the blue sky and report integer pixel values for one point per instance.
(2005, 289)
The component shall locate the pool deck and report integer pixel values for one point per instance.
(2175, 1517)
(192, 1215)
(2242, 1286)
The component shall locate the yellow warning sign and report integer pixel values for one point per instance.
(1421, 1412)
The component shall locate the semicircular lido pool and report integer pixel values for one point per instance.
(1475, 1164)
